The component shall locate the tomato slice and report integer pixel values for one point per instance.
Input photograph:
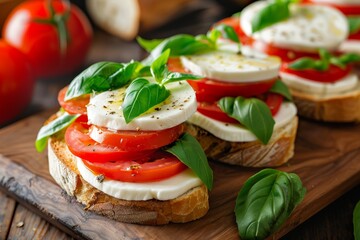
(233, 22)
(347, 9)
(73, 106)
(81, 145)
(212, 110)
(136, 140)
(355, 36)
(274, 102)
(158, 166)
(208, 90)
(333, 74)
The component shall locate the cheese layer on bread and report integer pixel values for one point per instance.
(231, 67)
(236, 132)
(167, 189)
(104, 109)
(345, 84)
(309, 28)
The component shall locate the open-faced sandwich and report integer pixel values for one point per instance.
(118, 144)
(350, 8)
(305, 37)
(243, 116)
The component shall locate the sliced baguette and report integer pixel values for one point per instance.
(332, 108)
(250, 154)
(62, 166)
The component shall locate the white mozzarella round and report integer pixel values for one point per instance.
(230, 67)
(338, 2)
(236, 132)
(167, 189)
(104, 109)
(350, 46)
(309, 28)
(306, 85)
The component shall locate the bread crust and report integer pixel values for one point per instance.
(250, 154)
(338, 108)
(190, 206)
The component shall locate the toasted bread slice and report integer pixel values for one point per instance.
(62, 165)
(250, 154)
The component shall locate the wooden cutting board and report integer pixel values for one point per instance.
(327, 159)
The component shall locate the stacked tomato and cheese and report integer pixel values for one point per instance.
(229, 74)
(350, 8)
(126, 160)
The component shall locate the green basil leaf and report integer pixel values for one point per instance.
(159, 68)
(140, 96)
(228, 32)
(148, 45)
(236, 15)
(181, 44)
(51, 128)
(349, 58)
(189, 151)
(280, 88)
(309, 63)
(356, 221)
(176, 77)
(354, 24)
(273, 13)
(102, 76)
(265, 201)
(253, 113)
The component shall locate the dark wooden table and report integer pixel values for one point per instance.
(17, 222)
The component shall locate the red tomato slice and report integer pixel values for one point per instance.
(233, 22)
(355, 36)
(160, 165)
(212, 110)
(81, 145)
(73, 106)
(333, 74)
(274, 102)
(136, 140)
(210, 90)
(347, 9)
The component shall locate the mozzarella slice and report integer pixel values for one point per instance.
(350, 46)
(161, 190)
(339, 2)
(236, 132)
(306, 85)
(230, 67)
(104, 109)
(309, 28)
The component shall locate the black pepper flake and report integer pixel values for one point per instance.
(152, 116)
(93, 149)
(168, 109)
(157, 117)
(181, 105)
(104, 106)
(112, 113)
(157, 109)
(110, 101)
(226, 124)
(100, 178)
(180, 83)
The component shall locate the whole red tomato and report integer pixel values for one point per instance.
(55, 35)
(16, 82)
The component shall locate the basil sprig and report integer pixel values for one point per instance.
(253, 113)
(280, 88)
(189, 151)
(141, 95)
(103, 76)
(276, 11)
(326, 58)
(51, 128)
(185, 44)
(265, 202)
(354, 24)
(356, 221)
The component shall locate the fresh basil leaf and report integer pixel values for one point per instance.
(149, 45)
(140, 96)
(100, 77)
(309, 63)
(176, 77)
(265, 201)
(349, 58)
(159, 68)
(273, 13)
(236, 15)
(354, 24)
(189, 151)
(253, 113)
(51, 128)
(228, 32)
(181, 44)
(280, 88)
(356, 221)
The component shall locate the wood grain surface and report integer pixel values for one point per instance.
(327, 159)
